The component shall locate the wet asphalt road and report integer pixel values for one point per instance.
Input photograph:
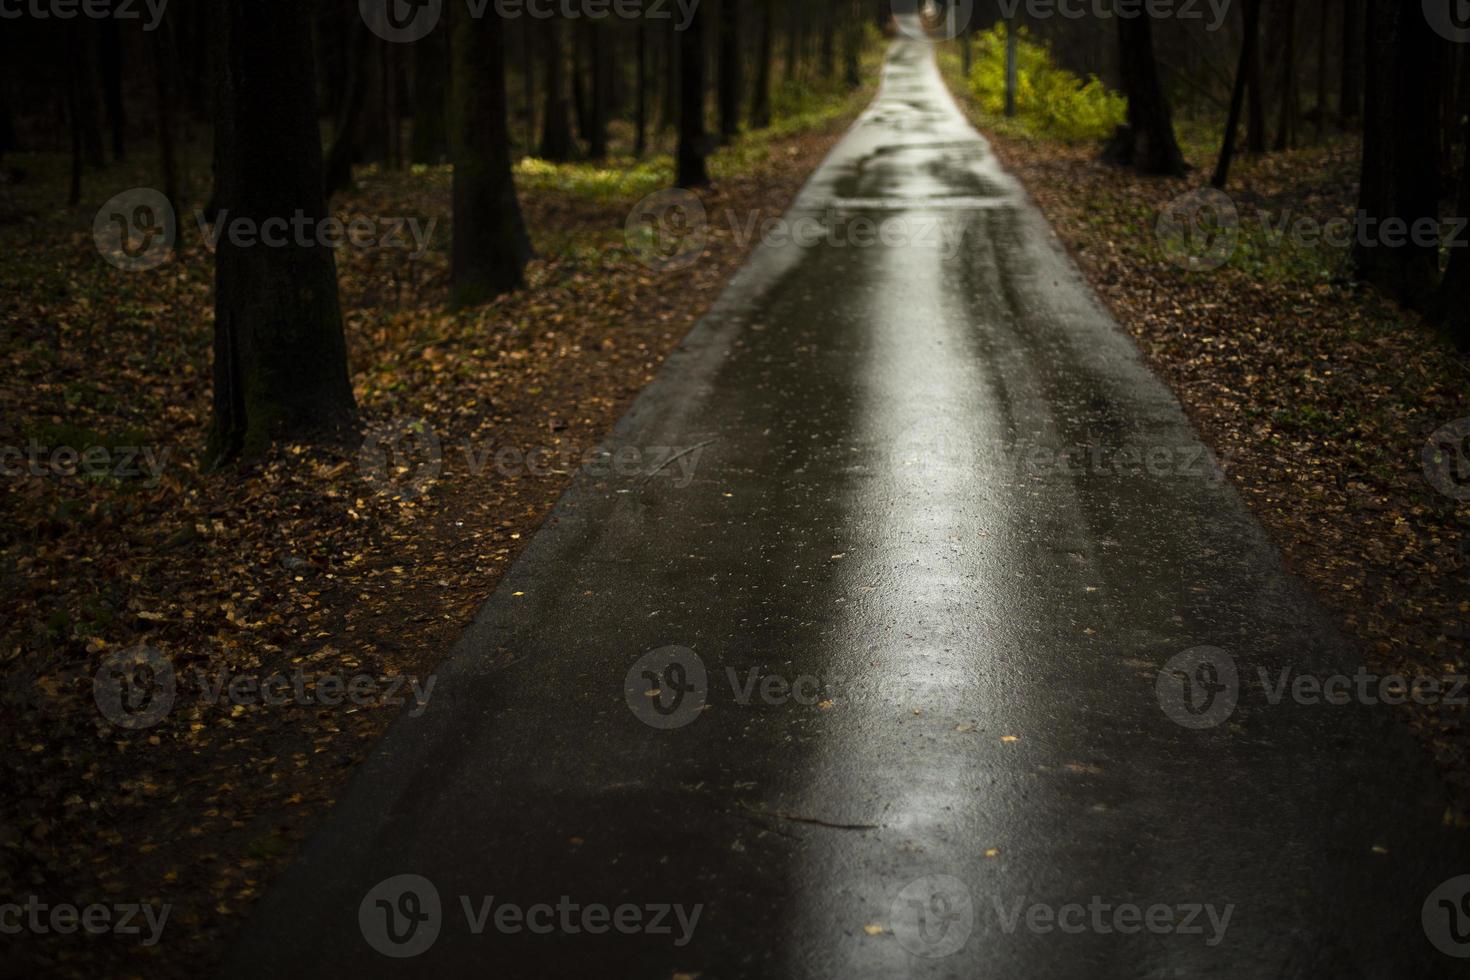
(937, 492)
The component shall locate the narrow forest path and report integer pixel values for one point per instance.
(936, 559)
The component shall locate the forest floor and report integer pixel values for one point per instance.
(297, 602)
(1318, 396)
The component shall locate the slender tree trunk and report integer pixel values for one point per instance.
(829, 39)
(640, 111)
(280, 357)
(345, 150)
(1248, 45)
(1325, 14)
(83, 65)
(852, 48)
(430, 141)
(112, 80)
(166, 87)
(1350, 103)
(1287, 120)
(1255, 126)
(729, 81)
(690, 156)
(74, 112)
(556, 123)
(528, 77)
(1147, 141)
(793, 39)
(1399, 187)
(598, 93)
(669, 105)
(490, 247)
(579, 88)
(760, 102)
(1454, 294)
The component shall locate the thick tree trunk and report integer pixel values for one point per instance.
(280, 358)
(1287, 120)
(1147, 141)
(690, 156)
(1350, 103)
(1400, 175)
(490, 243)
(1248, 56)
(556, 122)
(430, 141)
(729, 83)
(760, 101)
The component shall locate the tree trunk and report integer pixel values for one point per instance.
(112, 93)
(1454, 294)
(1237, 96)
(690, 156)
(793, 39)
(556, 123)
(640, 92)
(760, 101)
(1400, 152)
(74, 112)
(280, 358)
(430, 141)
(669, 105)
(84, 51)
(729, 83)
(1287, 120)
(579, 89)
(597, 95)
(490, 243)
(852, 48)
(345, 151)
(1255, 126)
(1147, 141)
(1350, 103)
(166, 88)
(829, 39)
(1325, 12)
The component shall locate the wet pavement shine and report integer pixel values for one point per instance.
(944, 650)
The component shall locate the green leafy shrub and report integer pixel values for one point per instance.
(1050, 101)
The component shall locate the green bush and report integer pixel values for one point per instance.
(1050, 101)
